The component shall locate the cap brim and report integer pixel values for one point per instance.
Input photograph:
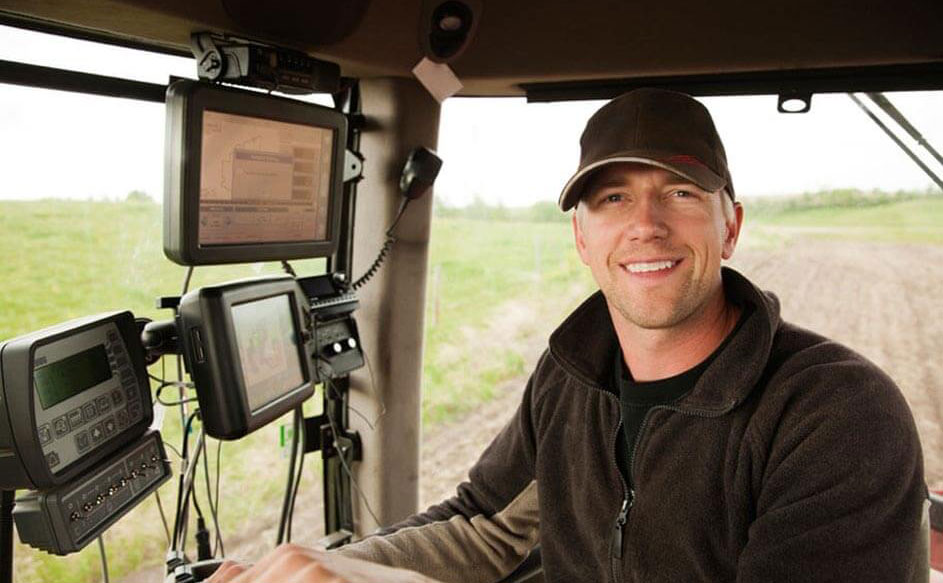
(700, 175)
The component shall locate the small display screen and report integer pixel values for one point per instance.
(70, 376)
(268, 349)
(263, 181)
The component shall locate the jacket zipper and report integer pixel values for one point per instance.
(618, 531)
(629, 494)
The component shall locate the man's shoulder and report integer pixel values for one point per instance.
(799, 351)
(812, 379)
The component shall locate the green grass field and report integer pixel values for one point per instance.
(918, 220)
(64, 259)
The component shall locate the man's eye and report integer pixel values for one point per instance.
(681, 193)
(613, 198)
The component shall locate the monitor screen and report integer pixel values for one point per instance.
(263, 181)
(70, 376)
(268, 349)
(250, 177)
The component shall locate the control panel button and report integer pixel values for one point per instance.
(116, 397)
(81, 441)
(97, 433)
(45, 436)
(76, 418)
(61, 426)
(134, 411)
(89, 410)
(52, 459)
(103, 404)
(109, 426)
(121, 417)
(351, 343)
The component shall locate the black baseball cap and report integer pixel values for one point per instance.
(658, 127)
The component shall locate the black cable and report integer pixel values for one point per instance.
(288, 269)
(294, 493)
(180, 513)
(209, 496)
(384, 251)
(101, 551)
(343, 461)
(219, 538)
(186, 281)
(289, 484)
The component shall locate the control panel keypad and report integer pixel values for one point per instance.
(89, 419)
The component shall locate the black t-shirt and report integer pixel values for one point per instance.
(637, 398)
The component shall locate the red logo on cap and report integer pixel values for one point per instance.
(684, 159)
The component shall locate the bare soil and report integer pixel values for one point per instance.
(882, 300)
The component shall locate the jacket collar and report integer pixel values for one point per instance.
(585, 345)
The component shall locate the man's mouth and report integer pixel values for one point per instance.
(650, 266)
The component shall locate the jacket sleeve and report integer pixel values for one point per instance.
(484, 531)
(838, 483)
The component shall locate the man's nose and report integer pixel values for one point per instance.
(647, 221)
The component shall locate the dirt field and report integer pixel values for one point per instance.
(882, 300)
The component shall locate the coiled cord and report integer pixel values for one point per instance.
(384, 251)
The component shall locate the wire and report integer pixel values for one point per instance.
(163, 517)
(288, 269)
(209, 496)
(373, 389)
(350, 474)
(384, 250)
(294, 493)
(182, 386)
(188, 489)
(219, 539)
(173, 449)
(101, 551)
(181, 511)
(289, 483)
(186, 281)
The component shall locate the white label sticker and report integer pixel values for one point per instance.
(437, 78)
(159, 411)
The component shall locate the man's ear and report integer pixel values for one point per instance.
(733, 225)
(578, 237)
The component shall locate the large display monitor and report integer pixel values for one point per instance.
(249, 177)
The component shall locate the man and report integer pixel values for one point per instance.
(677, 429)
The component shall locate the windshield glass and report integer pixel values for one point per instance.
(840, 224)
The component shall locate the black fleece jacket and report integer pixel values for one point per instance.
(792, 459)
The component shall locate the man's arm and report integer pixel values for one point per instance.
(294, 564)
(840, 490)
(487, 529)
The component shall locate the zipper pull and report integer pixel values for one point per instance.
(620, 524)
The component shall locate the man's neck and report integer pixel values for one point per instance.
(654, 354)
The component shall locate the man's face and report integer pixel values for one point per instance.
(654, 242)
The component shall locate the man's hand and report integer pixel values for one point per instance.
(294, 564)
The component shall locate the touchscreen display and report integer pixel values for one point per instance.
(268, 349)
(263, 181)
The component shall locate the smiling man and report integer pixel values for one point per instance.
(676, 429)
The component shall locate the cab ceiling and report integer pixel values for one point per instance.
(523, 42)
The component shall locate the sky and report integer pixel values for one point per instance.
(502, 151)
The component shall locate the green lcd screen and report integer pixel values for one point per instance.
(70, 376)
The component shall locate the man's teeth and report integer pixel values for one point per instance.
(653, 266)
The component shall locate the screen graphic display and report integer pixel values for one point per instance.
(268, 349)
(70, 376)
(263, 181)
